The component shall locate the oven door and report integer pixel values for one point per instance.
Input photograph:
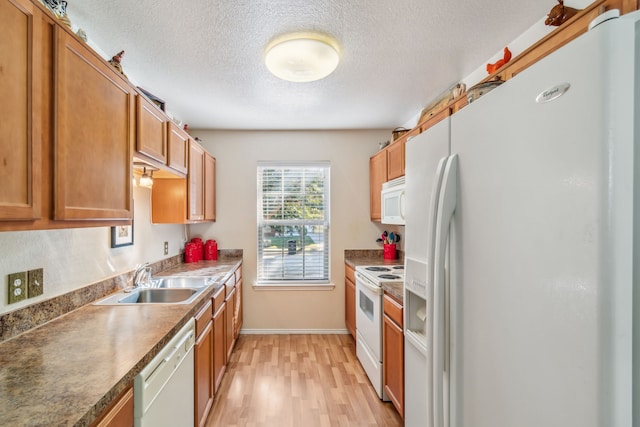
(369, 314)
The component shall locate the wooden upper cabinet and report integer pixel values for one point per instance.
(93, 140)
(178, 146)
(185, 201)
(377, 177)
(395, 159)
(209, 187)
(151, 130)
(195, 181)
(21, 76)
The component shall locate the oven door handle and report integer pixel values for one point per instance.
(377, 290)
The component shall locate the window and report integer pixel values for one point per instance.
(293, 223)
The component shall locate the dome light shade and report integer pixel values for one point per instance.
(302, 57)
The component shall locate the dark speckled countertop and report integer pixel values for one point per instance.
(67, 371)
(356, 257)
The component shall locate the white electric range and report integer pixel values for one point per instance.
(369, 281)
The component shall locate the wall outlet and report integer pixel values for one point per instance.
(17, 287)
(35, 280)
(166, 248)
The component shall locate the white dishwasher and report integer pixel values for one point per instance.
(163, 390)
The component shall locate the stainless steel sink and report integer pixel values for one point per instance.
(182, 281)
(151, 295)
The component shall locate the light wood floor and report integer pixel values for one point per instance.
(298, 381)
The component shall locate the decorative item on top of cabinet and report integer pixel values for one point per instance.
(492, 68)
(21, 110)
(116, 62)
(59, 10)
(559, 14)
(94, 131)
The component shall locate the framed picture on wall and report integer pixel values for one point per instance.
(122, 235)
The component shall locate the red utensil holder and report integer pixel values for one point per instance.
(389, 251)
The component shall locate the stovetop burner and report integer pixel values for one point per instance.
(380, 274)
(376, 268)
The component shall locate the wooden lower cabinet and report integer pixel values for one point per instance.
(350, 300)
(120, 413)
(393, 352)
(203, 363)
(230, 335)
(219, 338)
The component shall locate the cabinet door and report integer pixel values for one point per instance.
(93, 109)
(393, 365)
(178, 148)
(377, 177)
(119, 414)
(209, 187)
(195, 180)
(237, 312)
(395, 159)
(20, 109)
(203, 363)
(350, 306)
(151, 130)
(229, 335)
(350, 299)
(219, 346)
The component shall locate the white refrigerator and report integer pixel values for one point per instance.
(520, 271)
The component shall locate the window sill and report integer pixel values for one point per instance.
(293, 287)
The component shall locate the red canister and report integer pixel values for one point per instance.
(199, 248)
(190, 253)
(211, 250)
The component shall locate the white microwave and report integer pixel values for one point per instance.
(392, 200)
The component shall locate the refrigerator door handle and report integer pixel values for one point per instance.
(431, 228)
(446, 206)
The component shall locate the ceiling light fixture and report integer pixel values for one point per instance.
(302, 57)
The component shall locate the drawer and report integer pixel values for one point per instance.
(230, 284)
(203, 317)
(218, 298)
(238, 273)
(350, 273)
(393, 309)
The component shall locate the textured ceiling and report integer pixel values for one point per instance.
(206, 58)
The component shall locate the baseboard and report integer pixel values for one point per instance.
(293, 331)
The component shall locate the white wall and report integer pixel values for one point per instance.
(74, 258)
(236, 153)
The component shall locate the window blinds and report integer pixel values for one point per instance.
(293, 222)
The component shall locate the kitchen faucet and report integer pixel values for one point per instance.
(142, 273)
